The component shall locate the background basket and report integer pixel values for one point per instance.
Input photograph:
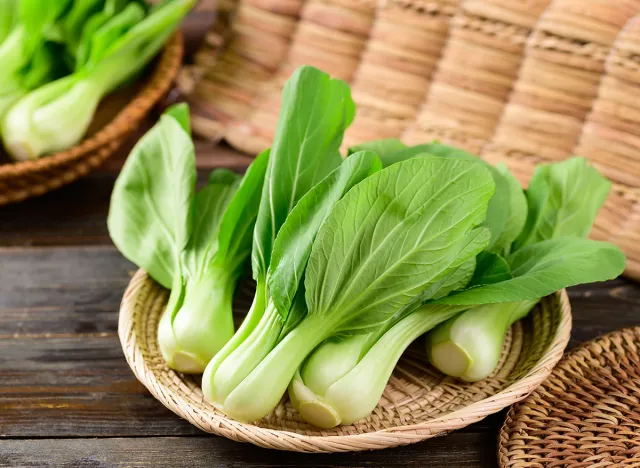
(418, 403)
(112, 125)
(513, 81)
(586, 414)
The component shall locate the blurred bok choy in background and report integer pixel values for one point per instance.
(61, 58)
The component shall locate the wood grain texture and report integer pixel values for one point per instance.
(457, 450)
(62, 374)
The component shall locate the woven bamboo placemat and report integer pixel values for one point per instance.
(519, 82)
(586, 414)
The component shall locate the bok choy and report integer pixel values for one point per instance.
(353, 259)
(304, 155)
(563, 199)
(343, 379)
(382, 247)
(196, 244)
(124, 39)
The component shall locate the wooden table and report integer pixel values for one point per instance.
(67, 396)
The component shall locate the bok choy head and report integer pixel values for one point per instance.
(380, 249)
(549, 254)
(314, 114)
(57, 115)
(195, 244)
(343, 379)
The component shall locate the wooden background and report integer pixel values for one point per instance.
(67, 396)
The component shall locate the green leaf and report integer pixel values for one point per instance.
(517, 211)
(210, 205)
(297, 312)
(497, 215)
(83, 48)
(113, 29)
(294, 241)
(391, 237)
(564, 199)
(74, 21)
(180, 112)
(458, 273)
(381, 147)
(236, 229)
(150, 213)
(490, 268)
(546, 267)
(222, 176)
(314, 114)
(37, 18)
(8, 16)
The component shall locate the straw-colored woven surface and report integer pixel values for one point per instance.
(513, 81)
(22, 180)
(418, 403)
(587, 414)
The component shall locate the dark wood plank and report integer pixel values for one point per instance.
(77, 214)
(62, 373)
(455, 450)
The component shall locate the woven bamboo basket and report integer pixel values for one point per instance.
(513, 81)
(418, 403)
(22, 180)
(587, 413)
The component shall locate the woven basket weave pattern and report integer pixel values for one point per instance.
(417, 404)
(515, 82)
(19, 181)
(587, 414)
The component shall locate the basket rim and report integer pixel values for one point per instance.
(575, 355)
(383, 438)
(165, 71)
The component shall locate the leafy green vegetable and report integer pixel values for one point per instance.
(57, 115)
(195, 244)
(150, 215)
(305, 149)
(564, 199)
(382, 148)
(289, 259)
(385, 243)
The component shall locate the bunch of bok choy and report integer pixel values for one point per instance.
(354, 258)
(60, 58)
(343, 379)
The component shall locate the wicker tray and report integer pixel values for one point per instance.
(418, 403)
(587, 414)
(112, 125)
(513, 81)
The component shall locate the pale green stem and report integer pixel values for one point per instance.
(356, 394)
(239, 364)
(469, 346)
(249, 323)
(261, 391)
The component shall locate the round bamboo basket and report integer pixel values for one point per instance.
(586, 414)
(418, 403)
(22, 180)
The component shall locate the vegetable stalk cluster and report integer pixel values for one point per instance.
(61, 58)
(354, 257)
